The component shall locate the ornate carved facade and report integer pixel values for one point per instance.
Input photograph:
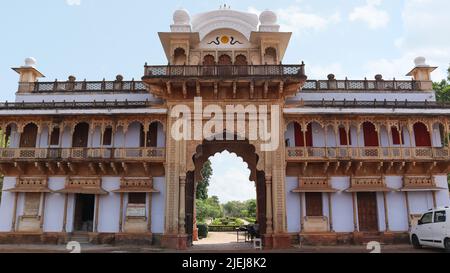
(109, 166)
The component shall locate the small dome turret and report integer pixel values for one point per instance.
(268, 17)
(181, 17)
(30, 62)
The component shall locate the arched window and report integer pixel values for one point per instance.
(209, 60)
(179, 56)
(152, 135)
(241, 60)
(225, 60)
(421, 135)
(300, 138)
(344, 137)
(370, 135)
(29, 136)
(107, 136)
(270, 56)
(80, 135)
(397, 138)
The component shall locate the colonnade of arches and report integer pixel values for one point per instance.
(366, 134)
(81, 135)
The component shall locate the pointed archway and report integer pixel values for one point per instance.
(241, 148)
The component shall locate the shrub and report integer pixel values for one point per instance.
(202, 230)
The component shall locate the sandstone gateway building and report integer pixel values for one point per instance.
(356, 160)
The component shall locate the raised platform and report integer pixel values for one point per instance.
(179, 242)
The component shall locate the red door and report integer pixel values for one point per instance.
(367, 211)
(370, 135)
(422, 136)
(29, 136)
(80, 136)
(299, 139)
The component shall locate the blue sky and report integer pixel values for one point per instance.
(102, 38)
(96, 39)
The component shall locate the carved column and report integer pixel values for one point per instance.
(358, 132)
(14, 217)
(172, 170)
(269, 221)
(66, 200)
(410, 132)
(380, 146)
(182, 214)
(390, 140)
(355, 212)
(42, 210)
(330, 210)
(408, 211)
(121, 213)
(149, 213)
(386, 213)
(97, 205)
(302, 214)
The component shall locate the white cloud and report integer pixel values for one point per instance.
(425, 34)
(371, 14)
(73, 2)
(294, 19)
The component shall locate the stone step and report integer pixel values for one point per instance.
(82, 238)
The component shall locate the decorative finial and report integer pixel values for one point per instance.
(30, 62)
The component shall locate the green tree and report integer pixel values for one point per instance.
(251, 208)
(202, 187)
(240, 209)
(442, 90)
(208, 208)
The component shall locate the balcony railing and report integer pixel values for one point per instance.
(151, 154)
(224, 71)
(366, 153)
(82, 86)
(396, 104)
(361, 85)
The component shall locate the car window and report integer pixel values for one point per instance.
(440, 217)
(427, 218)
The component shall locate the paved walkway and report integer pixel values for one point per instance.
(217, 241)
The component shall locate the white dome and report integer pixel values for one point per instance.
(420, 61)
(268, 17)
(181, 17)
(30, 62)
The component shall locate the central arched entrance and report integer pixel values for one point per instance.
(241, 148)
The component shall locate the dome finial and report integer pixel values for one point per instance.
(268, 20)
(30, 62)
(181, 17)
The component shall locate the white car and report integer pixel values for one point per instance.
(433, 229)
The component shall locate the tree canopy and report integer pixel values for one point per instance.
(240, 209)
(208, 208)
(202, 187)
(442, 89)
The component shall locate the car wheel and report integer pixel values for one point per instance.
(447, 245)
(415, 242)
